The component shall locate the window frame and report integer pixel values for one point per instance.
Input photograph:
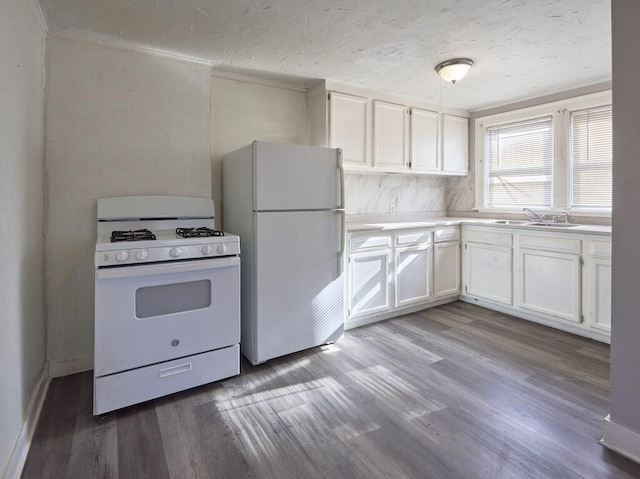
(560, 111)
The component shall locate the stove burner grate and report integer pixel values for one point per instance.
(197, 232)
(135, 235)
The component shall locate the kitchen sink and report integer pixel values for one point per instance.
(510, 222)
(552, 225)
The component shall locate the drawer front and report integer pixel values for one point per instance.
(600, 249)
(369, 242)
(446, 234)
(413, 237)
(488, 237)
(131, 387)
(562, 245)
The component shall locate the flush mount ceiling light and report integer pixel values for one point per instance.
(454, 70)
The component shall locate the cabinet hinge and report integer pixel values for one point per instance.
(465, 246)
(581, 261)
(465, 289)
(582, 318)
(328, 96)
(409, 164)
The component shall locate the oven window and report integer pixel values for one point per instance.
(172, 298)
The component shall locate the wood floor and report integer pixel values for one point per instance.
(451, 392)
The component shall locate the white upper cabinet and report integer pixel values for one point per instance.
(349, 128)
(390, 128)
(424, 141)
(386, 133)
(455, 145)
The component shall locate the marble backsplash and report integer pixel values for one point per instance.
(373, 193)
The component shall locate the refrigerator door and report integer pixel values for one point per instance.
(293, 177)
(299, 282)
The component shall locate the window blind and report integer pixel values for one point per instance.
(591, 158)
(520, 163)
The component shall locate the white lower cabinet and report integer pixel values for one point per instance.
(413, 274)
(446, 262)
(368, 282)
(391, 274)
(550, 283)
(446, 269)
(487, 265)
(489, 272)
(597, 282)
(561, 280)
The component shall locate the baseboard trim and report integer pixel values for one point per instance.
(356, 323)
(552, 323)
(22, 444)
(620, 439)
(66, 367)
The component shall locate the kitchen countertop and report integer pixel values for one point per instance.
(387, 225)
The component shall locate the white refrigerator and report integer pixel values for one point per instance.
(286, 202)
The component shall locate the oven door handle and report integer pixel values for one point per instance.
(166, 268)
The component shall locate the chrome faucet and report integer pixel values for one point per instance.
(533, 216)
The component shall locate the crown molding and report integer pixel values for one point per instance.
(40, 14)
(241, 77)
(125, 46)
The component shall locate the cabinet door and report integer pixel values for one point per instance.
(600, 294)
(446, 269)
(348, 127)
(369, 282)
(550, 283)
(389, 136)
(455, 144)
(413, 275)
(424, 141)
(488, 273)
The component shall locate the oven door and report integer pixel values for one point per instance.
(152, 313)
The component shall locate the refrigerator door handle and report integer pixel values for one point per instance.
(341, 212)
(341, 170)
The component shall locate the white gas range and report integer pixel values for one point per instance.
(167, 299)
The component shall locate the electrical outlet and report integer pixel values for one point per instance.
(392, 207)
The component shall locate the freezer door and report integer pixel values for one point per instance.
(292, 177)
(300, 290)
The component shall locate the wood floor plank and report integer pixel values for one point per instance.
(455, 391)
(94, 451)
(52, 441)
(140, 450)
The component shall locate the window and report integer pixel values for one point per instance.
(520, 163)
(549, 157)
(591, 158)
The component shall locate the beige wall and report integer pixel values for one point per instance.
(244, 111)
(118, 123)
(22, 335)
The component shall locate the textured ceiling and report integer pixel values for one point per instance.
(521, 48)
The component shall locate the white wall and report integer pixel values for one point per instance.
(22, 334)
(244, 111)
(623, 433)
(118, 123)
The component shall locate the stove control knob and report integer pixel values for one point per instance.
(175, 252)
(122, 256)
(207, 249)
(222, 248)
(142, 255)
